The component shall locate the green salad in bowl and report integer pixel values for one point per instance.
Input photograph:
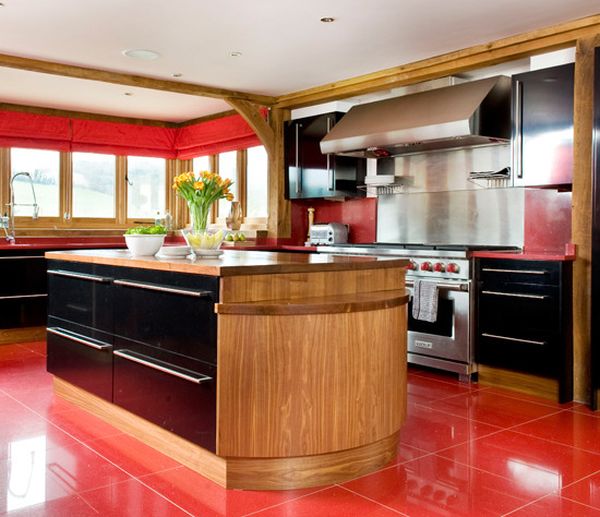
(147, 230)
(145, 240)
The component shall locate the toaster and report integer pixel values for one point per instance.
(328, 233)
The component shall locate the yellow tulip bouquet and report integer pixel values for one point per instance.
(200, 193)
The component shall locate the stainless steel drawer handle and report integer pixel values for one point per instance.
(164, 289)
(446, 286)
(21, 257)
(518, 340)
(516, 295)
(22, 296)
(80, 276)
(72, 336)
(141, 359)
(515, 271)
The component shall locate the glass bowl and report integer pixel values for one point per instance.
(204, 242)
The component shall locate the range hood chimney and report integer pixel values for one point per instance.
(464, 115)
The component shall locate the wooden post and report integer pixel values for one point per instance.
(581, 216)
(280, 223)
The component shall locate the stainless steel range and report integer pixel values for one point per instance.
(446, 343)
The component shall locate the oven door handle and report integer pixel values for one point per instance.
(447, 286)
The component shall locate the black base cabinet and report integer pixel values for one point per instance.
(142, 339)
(23, 292)
(524, 319)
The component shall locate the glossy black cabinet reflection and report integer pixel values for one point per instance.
(542, 135)
(23, 292)
(312, 174)
(524, 319)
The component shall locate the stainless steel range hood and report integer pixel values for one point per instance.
(467, 114)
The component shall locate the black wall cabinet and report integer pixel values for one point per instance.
(312, 174)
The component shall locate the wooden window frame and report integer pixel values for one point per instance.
(132, 221)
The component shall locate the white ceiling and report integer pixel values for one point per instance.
(284, 46)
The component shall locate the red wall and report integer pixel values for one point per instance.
(359, 214)
(547, 221)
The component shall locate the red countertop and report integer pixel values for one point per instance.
(63, 243)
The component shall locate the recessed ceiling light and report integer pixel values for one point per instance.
(235, 53)
(176, 75)
(129, 94)
(140, 53)
(327, 19)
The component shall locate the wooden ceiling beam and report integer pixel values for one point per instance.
(251, 114)
(499, 51)
(94, 74)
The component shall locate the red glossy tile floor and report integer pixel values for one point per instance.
(465, 450)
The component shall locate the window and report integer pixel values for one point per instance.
(94, 179)
(202, 163)
(228, 169)
(146, 182)
(44, 169)
(257, 166)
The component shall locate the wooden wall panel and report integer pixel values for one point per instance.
(316, 383)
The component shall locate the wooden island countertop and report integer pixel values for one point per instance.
(310, 368)
(233, 262)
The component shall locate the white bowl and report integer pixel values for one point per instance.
(144, 245)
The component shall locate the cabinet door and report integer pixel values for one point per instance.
(312, 174)
(175, 393)
(81, 360)
(543, 126)
(169, 311)
(23, 290)
(81, 293)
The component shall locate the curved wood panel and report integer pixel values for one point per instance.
(307, 471)
(297, 385)
(358, 302)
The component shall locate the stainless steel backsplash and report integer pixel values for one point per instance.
(440, 205)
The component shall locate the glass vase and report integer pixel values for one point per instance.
(204, 242)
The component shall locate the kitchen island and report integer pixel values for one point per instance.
(258, 370)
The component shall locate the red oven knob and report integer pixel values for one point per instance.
(412, 265)
(452, 268)
(426, 266)
(439, 267)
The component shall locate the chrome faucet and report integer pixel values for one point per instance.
(7, 221)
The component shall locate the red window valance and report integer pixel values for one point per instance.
(215, 136)
(37, 131)
(94, 136)
(70, 134)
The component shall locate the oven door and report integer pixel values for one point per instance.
(449, 336)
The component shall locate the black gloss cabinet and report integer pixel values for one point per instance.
(542, 133)
(524, 319)
(312, 174)
(142, 339)
(23, 292)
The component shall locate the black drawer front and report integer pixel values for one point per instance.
(178, 395)
(88, 332)
(500, 273)
(501, 311)
(173, 312)
(23, 311)
(22, 275)
(81, 293)
(81, 361)
(537, 355)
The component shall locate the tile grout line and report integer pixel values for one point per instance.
(372, 500)
(288, 501)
